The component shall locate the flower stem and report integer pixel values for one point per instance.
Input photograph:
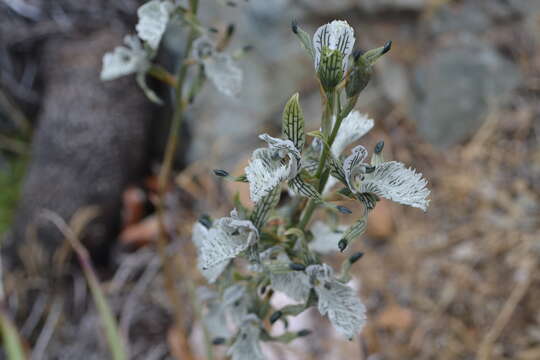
(164, 176)
(311, 205)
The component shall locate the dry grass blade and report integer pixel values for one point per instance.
(112, 332)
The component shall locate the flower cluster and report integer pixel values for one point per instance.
(140, 50)
(284, 254)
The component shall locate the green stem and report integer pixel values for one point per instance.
(164, 176)
(312, 205)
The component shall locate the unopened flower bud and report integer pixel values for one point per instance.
(342, 244)
(355, 257)
(275, 316)
(297, 267)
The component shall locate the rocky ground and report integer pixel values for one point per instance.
(457, 98)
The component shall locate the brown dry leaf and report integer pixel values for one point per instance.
(133, 205)
(395, 317)
(178, 344)
(141, 234)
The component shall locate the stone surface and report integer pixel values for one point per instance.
(391, 5)
(455, 87)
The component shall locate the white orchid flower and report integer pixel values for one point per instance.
(125, 60)
(247, 344)
(219, 67)
(227, 238)
(153, 19)
(337, 301)
(333, 44)
(391, 180)
(271, 166)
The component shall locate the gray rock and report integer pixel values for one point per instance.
(454, 89)
(374, 6)
(468, 17)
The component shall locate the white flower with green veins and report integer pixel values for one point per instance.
(333, 44)
(153, 19)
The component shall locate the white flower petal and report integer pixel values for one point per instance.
(325, 239)
(393, 181)
(352, 128)
(342, 306)
(337, 301)
(246, 345)
(337, 35)
(264, 174)
(237, 301)
(351, 164)
(215, 321)
(226, 239)
(224, 73)
(124, 60)
(294, 284)
(285, 147)
(199, 237)
(203, 47)
(153, 19)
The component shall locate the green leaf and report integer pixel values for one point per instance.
(11, 339)
(264, 207)
(355, 230)
(304, 38)
(293, 122)
(303, 188)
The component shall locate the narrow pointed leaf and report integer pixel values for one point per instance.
(264, 207)
(293, 123)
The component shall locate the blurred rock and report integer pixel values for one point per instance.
(454, 89)
(391, 5)
(91, 142)
(380, 222)
(467, 17)
(392, 78)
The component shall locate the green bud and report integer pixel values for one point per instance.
(362, 69)
(342, 244)
(330, 68)
(275, 316)
(297, 267)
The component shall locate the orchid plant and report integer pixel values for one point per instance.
(253, 253)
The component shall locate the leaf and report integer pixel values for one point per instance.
(305, 39)
(293, 122)
(299, 187)
(11, 339)
(153, 20)
(265, 206)
(355, 230)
